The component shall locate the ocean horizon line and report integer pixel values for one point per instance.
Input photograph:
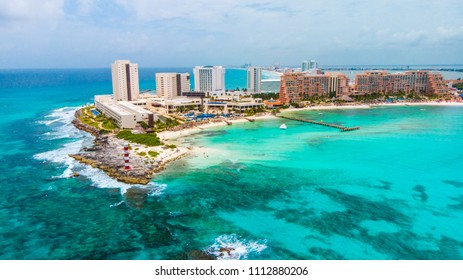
(238, 68)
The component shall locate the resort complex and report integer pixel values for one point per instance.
(310, 82)
(295, 87)
(174, 98)
(129, 108)
(422, 82)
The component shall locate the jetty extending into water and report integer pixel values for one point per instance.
(340, 127)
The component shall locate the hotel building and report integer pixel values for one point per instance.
(254, 80)
(424, 82)
(306, 65)
(294, 87)
(210, 79)
(124, 113)
(171, 85)
(125, 80)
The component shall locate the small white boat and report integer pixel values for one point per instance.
(283, 126)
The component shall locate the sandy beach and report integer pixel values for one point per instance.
(171, 135)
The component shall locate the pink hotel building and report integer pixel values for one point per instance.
(294, 87)
(424, 82)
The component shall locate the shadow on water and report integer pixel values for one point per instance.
(458, 206)
(420, 193)
(456, 184)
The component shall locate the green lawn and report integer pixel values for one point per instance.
(149, 139)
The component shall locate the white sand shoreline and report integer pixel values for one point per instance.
(172, 135)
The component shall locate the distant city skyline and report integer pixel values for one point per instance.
(161, 33)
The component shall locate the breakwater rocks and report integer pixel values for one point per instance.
(107, 154)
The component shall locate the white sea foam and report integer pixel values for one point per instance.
(102, 180)
(229, 247)
(61, 156)
(156, 189)
(64, 117)
(116, 204)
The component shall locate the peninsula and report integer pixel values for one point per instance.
(133, 130)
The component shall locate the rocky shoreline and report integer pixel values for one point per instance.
(107, 154)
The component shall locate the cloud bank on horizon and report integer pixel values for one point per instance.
(93, 33)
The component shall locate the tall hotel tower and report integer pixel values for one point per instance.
(125, 80)
(308, 65)
(254, 79)
(171, 85)
(210, 79)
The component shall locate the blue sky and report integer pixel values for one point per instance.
(163, 33)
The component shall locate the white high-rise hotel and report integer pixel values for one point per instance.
(171, 85)
(254, 79)
(210, 79)
(306, 65)
(125, 80)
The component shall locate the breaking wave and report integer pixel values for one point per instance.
(59, 121)
(230, 247)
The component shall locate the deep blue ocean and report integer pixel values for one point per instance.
(391, 190)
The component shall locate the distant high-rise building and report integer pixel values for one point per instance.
(125, 80)
(209, 79)
(254, 80)
(308, 65)
(313, 64)
(305, 66)
(171, 85)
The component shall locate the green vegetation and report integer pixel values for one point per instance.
(153, 154)
(315, 99)
(141, 154)
(86, 118)
(369, 97)
(88, 121)
(295, 105)
(458, 86)
(253, 111)
(149, 139)
(100, 122)
(183, 109)
(171, 146)
(161, 126)
(109, 124)
(144, 125)
(267, 96)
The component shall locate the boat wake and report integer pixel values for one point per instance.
(230, 247)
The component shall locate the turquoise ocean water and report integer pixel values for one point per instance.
(391, 190)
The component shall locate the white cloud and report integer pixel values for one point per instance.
(181, 32)
(31, 10)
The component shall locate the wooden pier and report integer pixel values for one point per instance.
(250, 120)
(340, 127)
